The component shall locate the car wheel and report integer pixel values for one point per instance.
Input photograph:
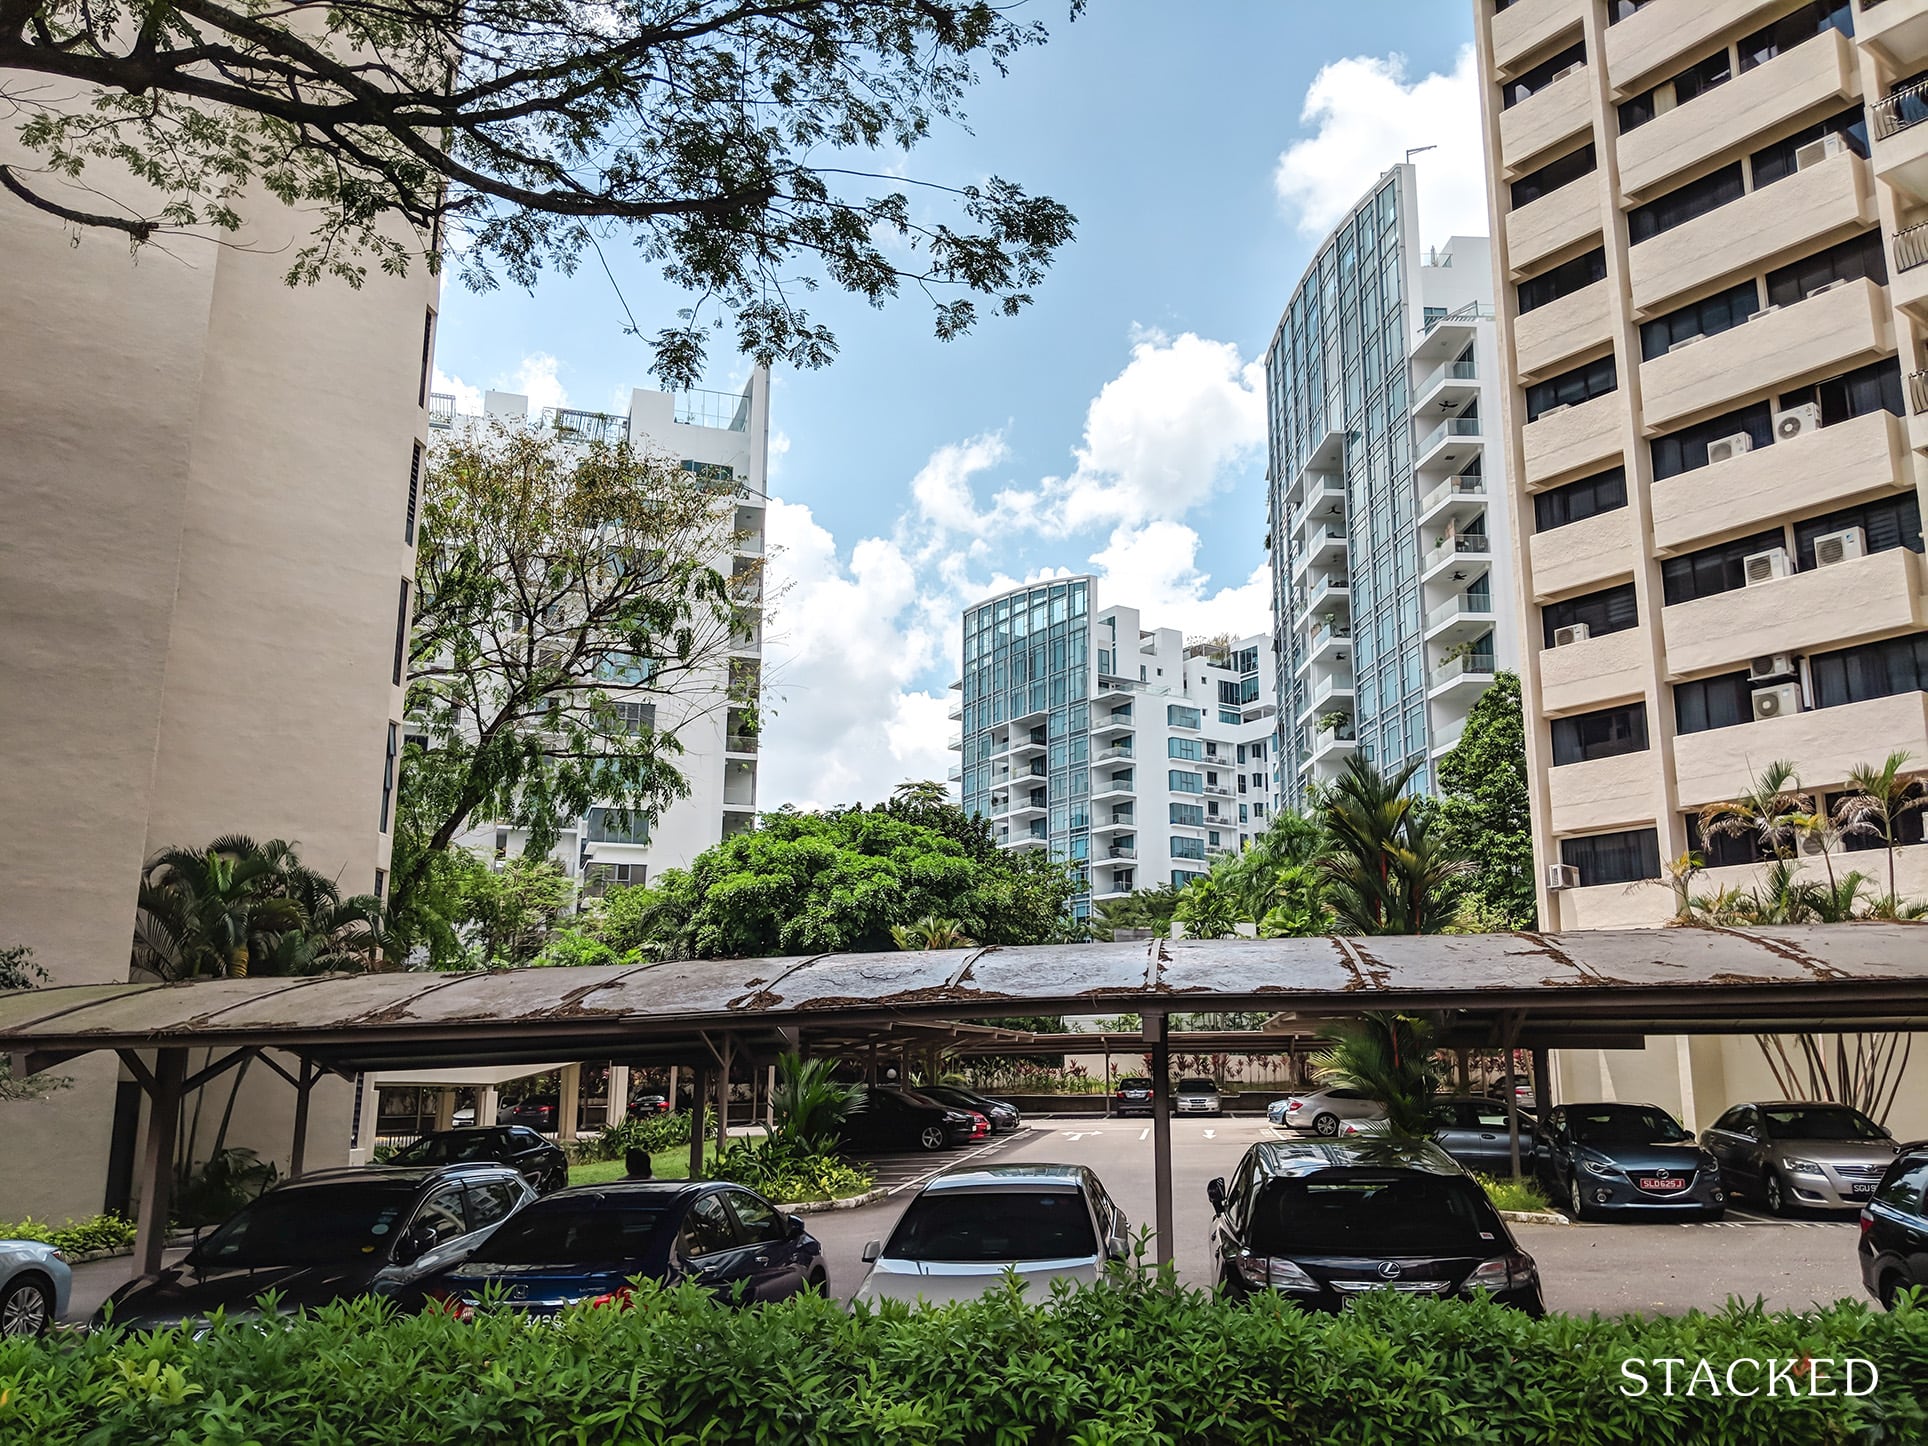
(1889, 1290)
(27, 1308)
(932, 1137)
(1773, 1193)
(1714, 1212)
(1576, 1202)
(557, 1179)
(1326, 1125)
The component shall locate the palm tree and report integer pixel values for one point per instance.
(1293, 904)
(809, 1101)
(1765, 812)
(1680, 878)
(1389, 1059)
(1879, 799)
(1389, 872)
(1206, 910)
(931, 932)
(1254, 875)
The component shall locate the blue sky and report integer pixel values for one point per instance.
(1115, 427)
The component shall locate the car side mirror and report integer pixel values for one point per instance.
(1688, 1138)
(1757, 1134)
(796, 1226)
(419, 1240)
(872, 1249)
(1215, 1192)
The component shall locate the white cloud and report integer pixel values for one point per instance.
(942, 489)
(536, 379)
(468, 399)
(1366, 114)
(1154, 568)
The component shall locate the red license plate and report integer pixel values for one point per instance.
(1661, 1182)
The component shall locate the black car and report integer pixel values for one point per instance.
(1600, 1157)
(889, 1117)
(542, 1164)
(647, 1107)
(586, 1244)
(1894, 1227)
(333, 1234)
(1323, 1222)
(1003, 1117)
(530, 1114)
(1132, 1097)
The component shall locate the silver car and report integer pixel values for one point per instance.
(1321, 1110)
(34, 1285)
(1792, 1153)
(968, 1226)
(1198, 1097)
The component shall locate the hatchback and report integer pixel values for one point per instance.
(892, 1118)
(1321, 1110)
(1894, 1227)
(1631, 1158)
(1003, 1117)
(1800, 1153)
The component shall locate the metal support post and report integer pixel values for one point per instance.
(1159, 1036)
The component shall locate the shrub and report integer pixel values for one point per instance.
(788, 1171)
(652, 1133)
(76, 1237)
(1507, 1193)
(675, 1368)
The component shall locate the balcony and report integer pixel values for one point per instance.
(1327, 454)
(1815, 78)
(1462, 550)
(1896, 30)
(956, 773)
(1824, 744)
(1036, 840)
(1569, 440)
(1332, 746)
(1830, 332)
(1901, 140)
(1450, 385)
(1456, 499)
(1815, 472)
(1120, 821)
(1217, 790)
(1556, 222)
(1026, 807)
(1329, 595)
(1449, 334)
(1582, 555)
(1801, 213)
(1656, 36)
(1459, 680)
(1554, 113)
(1119, 787)
(1026, 747)
(1122, 851)
(1527, 26)
(1334, 695)
(1451, 442)
(1548, 335)
(1824, 607)
(441, 411)
(1327, 499)
(1908, 269)
(1119, 722)
(1329, 642)
(1604, 794)
(1461, 619)
(955, 743)
(955, 712)
(1116, 754)
(1325, 548)
(1610, 668)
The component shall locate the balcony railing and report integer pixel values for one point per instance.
(1911, 246)
(1123, 851)
(586, 426)
(726, 411)
(1900, 109)
(1462, 370)
(1451, 427)
(1918, 390)
(1461, 486)
(1109, 755)
(1467, 665)
(441, 409)
(1472, 311)
(1465, 604)
(1465, 543)
(739, 742)
(1325, 631)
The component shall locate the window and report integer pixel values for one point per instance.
(757, 1222)
(1189, 814)
(1726, 850)
(1790, 30)
(381, 883)
(1181, 717)
(1875, 387)
(1677, 208)
(1183, 782)
(1776, 162)
(1686, 450)
(1554, 174)
(615, 825)
(442, 1213)
(401, 633)
(1212, 838)
(491, 1201)
(1887, 523)
(1849, 261)
(1614, 858)
(635, 717)
(1907, 827)
(1710, 316)
(1705, 703)
(1607, 611)
(1717, 569)
(1186, 748)
(1618, 10)
(1182, 877)
(414, 494)
(707, 1228)
(428, 353)
(1702, 76)
(388, 771)
(1874, 670)
(1585, 382)
(501, 843)
(1907, 1191)
(1185, 847)
(1577, 501)
(1605, 734)
(1542, 75)
(1563, 280)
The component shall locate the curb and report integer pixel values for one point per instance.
(90, 1256)
(1534, 1217)
(848, 1202)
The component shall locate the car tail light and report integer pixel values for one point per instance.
(1503, 1272)
(621, 1298)
(1264, 1272)
(450, 1304)
(1867, 1221)
(1295, 1104)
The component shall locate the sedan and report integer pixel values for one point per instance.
(1599, 1157)
(1894, 1228)
(968, 1227)
(531, 1114)
(1790, 1153)
(1003, 1117)
(1198, 1097)
(1132, 1097)
(645, 1107)
(891, 1118)
(587, 1244)
(1321, 1110)
(1474, 1130)
(542, 1164)
(34, 1284)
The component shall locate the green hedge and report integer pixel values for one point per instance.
(76, 1237)
(1140, 1362)
(789, 1173)
(651, 1133)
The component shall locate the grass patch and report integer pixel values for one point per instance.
(670, 1164)
(1510, 1194)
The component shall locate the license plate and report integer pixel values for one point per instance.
(1661, 1182)
(1862, 1189)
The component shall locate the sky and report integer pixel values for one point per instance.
(1116, 427)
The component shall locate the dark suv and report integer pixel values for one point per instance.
(331, 1235)
(1894, 1227)
(542, 1164)
(1324, 1222)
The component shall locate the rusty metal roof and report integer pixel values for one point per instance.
(1659, 980)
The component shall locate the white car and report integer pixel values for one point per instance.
(970, 1225)
(1322, 1111)
(1198, 1097)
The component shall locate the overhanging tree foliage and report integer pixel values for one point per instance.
(1483, 811)
(725, 139)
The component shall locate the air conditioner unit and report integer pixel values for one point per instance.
(1797, 421)
(1773, 665)
(1833, 547)
(1575, 633)
(1812, 845)
(1781, 699)
(1569, 70)
(1815, 152)
(1561, 876)
(1833, 285)
(1725, 449)
(1687, 341)
(1759, 567)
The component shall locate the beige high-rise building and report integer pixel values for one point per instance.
(207, 481)
(1710, 219)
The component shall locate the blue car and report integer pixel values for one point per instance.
(587, 1244)
(1600, 1158)
(34, 1284)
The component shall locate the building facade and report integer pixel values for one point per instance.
(1708, 252)
(1391, 566)
(726, 435)
(1126, 750)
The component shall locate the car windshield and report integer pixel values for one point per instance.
(1197, 1087)
(1136, 1082)
(1821, 1122)
(1623, 1125)
(315, 1225)
(1335, 1213)
(452, 1149)
(576, 1233)
(973, 1227)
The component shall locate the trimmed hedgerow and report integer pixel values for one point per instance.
(651, 1133)
(76, 1237)
(1141, 1361)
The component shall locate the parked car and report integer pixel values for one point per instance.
(531, 1114)
(1003, 1117)
(1894, 1227)
(35, 1282)
(1473, 1129)
(1517, 1087)
(1198, 1097)
(645, 1107)
(1133, 1096)
(968, 1226)
(1323, 1222)
(586, 1244)
(541, 1163)
(1791, 1153)
(330, 1235)
(890, 1117)
(1321, 1110)
(1599, 1157)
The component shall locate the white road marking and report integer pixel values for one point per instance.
(1080, 1134)
(1145, 1134)
(1211, 1134)
(919, 1180)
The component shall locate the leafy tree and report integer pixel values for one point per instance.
(571, 620)
(18, 971)
(1769, 812)
(1390, 871)
(1206, 910)
(1150, 909)
(1389, 1058)
(724, 139)
(1881, 796)
(930, 932)
(1484, 815)
(509, 912)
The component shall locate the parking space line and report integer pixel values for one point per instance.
(942, 1165)
(1145, 1134)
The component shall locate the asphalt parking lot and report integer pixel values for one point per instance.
(1651, 1267)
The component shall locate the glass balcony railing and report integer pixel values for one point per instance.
(725, 411)
(1465, 605)
(1451, 488)
(1451, 427)
(1462, 370)
(1465, 544)
(1330, 632)
(1469, 665)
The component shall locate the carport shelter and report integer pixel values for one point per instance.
(1600, 989)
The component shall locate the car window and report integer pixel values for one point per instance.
(1820, 1122)
(575, 1231)
(314, 1225)
(1734, 1120)
(1346, 1213)
(758, 1222)
(453, 1147)
(1345, 1094)
(524, 1139)
(707, 1228)
(1623, 1125)
(492, 1200)
(1487, 1117)
(442, 1212)
(1908, 1190)
(986, 1227)
(1196, 1086)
